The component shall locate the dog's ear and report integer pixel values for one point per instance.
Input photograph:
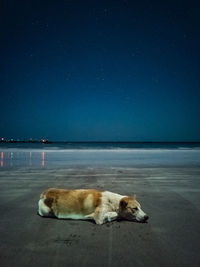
(123, 203)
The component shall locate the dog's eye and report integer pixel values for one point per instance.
(135, 208)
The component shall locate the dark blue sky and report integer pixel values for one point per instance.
(100, 70)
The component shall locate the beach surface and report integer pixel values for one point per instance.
(166, 182)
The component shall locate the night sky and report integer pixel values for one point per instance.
(100, 70)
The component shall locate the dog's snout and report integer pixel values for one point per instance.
(146, 217)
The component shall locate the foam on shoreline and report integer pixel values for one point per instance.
(112, 150)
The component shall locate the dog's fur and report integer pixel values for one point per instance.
(101, 206)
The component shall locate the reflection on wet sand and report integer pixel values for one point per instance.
(43, 159)
(148, 158)
(10, 159)
(1, 159)
(30, 158)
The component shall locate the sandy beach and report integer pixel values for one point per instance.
(167, 184)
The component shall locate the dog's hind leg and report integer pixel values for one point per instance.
(43, 209)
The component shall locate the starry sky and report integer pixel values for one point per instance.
(117, 70)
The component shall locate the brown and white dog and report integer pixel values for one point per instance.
(101, 206)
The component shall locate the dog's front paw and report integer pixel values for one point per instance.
(110, 216)
(99, 222)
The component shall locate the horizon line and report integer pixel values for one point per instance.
(90, 141)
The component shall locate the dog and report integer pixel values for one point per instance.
(87, 204)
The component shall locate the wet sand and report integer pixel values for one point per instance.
(170, 195)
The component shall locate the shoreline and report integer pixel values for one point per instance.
(57, 149)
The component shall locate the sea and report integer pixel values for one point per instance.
(101, 145)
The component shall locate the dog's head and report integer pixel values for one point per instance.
(130, 209)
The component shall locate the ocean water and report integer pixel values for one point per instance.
(102, 145)
(113, 154)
